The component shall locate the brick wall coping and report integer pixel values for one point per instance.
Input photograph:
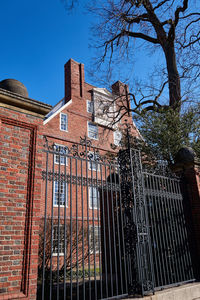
(28, 104)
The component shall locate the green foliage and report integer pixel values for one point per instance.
(165, 132)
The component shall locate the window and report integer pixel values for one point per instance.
(93, 198)
(62, 159)
(94, 239)
(60, 194)
(117, 138)
(90, 106)
(63, 122)
(61, 247)
(92, 131)
(93, 161)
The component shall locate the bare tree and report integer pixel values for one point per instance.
(171, 27)
(71, 243)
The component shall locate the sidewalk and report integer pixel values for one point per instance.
(185, 292)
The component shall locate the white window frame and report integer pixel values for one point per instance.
(90, 106)
(88, 130)
(93, 191)
(55, 193)
(63, 158)
(97, 230)
(66, 124)
(92, 164)
(55, 240)
(116, 140)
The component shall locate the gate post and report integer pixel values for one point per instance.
(136, 227)
(187, 165)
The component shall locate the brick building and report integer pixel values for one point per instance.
(25, 198)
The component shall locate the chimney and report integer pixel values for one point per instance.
(74, 80)
(121, 90)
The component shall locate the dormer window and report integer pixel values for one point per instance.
(63, 122)
(90, 107)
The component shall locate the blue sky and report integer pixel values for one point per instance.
(37, 38)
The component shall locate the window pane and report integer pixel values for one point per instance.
(94, 238)
(63, 122)
(92, 131)
(93, 163)
(61, 247)
(94, 197)
(59, 158)
(60, 193)
(90, 106)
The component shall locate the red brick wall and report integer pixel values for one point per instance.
(192, 180)
(20, 192)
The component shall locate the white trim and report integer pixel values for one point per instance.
(57, 112)
(65, 130)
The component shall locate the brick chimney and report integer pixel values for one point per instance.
(121, 90)
(74, 80)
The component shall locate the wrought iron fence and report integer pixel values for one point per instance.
(109, 228)
(82, 251)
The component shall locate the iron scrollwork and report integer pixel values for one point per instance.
(135, 222)
(83, 149)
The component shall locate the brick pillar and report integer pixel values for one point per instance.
(20, 193)
(188, 166)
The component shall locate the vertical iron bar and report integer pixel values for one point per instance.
(153, 225)
(83, 237)
(104, 231)
(99, 231)
(87, 161)
(65, 240)
(177, 231)
(77, 235)
(113, 227)
(93, 231)
(118, 232)
(147, 244)
(45, 217)
(171, 222)
(122, 231)
(137, 216)
(109, 237)
(71, 269)
(52, 225)
(166, 229)
(164, 281)
(58, 254)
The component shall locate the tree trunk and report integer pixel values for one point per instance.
(173, 77)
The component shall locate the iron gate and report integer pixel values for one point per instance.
(170, 246)
(82, 250)
(109, 228)
(156, 236)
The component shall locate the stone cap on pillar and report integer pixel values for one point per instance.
(185, 158)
